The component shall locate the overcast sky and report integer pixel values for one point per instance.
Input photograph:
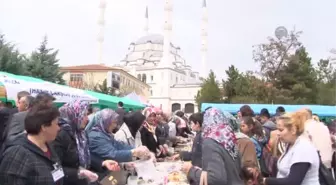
(234, 27)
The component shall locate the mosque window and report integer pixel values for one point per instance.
(151, 92)
(189, 108)
(152, 77)
(176, 79)
(176, 106)
(143, 78)
(139, 76)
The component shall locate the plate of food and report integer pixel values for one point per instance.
(176, 176)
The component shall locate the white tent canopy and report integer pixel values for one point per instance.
(63, 94)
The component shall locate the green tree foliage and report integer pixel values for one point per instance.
(103, 88)
(326, 76)
(43, 64)
(299, 77)
(11, 60)
(286, 76)
(209, 92)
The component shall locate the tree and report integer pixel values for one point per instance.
(43, 64)
(125, 90)
(230, 85)
(299, 77)
(326, 76)
(11, 60)
(103, 88)
(272, 56)
(209, 92)
(326, 73)
(89, 82)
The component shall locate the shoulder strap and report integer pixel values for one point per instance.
(126, 138)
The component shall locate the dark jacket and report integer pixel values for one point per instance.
(23, 163)
(5, 115)
(121, 112)
(162, 133)
(268, 127)
(217, 162)
(195, 155)
(16, 125)
(148, 140)
(66, 147)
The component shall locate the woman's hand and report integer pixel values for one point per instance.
(83, 173)
(186, 167)
(175, 157)
(141, 151)
(152, 157)
(111, 165)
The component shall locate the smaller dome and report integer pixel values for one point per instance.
(153, 38)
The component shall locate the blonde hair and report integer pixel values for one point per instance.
(316, 118)
(295, 120)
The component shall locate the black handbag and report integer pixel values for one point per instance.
(115, 178)
(325, 175)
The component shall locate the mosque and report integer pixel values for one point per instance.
(155, 60)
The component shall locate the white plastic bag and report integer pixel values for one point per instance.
(147, 171)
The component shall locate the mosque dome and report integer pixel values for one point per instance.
(153, 38)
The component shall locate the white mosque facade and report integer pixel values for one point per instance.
(155, 60)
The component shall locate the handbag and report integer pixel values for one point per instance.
(204, 178)
(325, 175)
(115, 178)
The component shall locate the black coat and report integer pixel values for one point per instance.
(16, 125)
(148, 140)
(162, 133)
(195, 155)
(6, 115)
(66, 148)
(23, 163)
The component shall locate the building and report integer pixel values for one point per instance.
(88, 76)
(155, 60)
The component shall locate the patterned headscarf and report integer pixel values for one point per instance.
(72, 116)
(147, 112)
(232, 120)
(217, 127)
(103, 120)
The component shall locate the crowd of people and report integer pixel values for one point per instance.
(77, 145)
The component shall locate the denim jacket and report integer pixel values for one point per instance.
(106, 147)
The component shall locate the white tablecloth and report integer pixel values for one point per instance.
(163, 169)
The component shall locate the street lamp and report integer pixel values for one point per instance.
(281, 32)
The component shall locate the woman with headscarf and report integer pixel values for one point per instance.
(182, 127)
(71, 145)
(148, 136)
(220, 155)
(162, 129)
(103, 144)
(245, 145)
(129, 130)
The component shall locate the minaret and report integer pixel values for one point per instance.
(204, 37)
(167, 33)
(101, 25)
(146, 28)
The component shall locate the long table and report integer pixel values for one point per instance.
(163, 169)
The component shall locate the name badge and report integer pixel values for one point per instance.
(57, 173)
